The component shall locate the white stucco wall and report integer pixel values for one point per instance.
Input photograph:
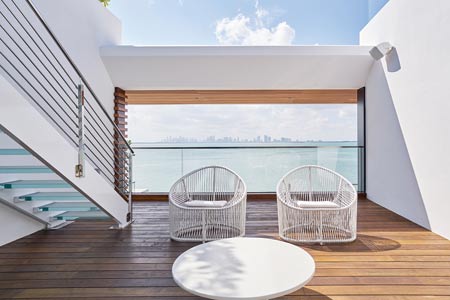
(83, 26)
(408, 108)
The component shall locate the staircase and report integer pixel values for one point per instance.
(30, 187)
(62, 156)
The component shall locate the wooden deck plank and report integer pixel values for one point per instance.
(392, 259)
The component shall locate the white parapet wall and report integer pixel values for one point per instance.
(407, 112)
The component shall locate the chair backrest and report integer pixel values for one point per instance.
(211, 183)
(315, 183)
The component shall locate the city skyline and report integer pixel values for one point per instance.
(326, 122)
(235, 139)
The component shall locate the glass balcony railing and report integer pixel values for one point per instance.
(158, 167)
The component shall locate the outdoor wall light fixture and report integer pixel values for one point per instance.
(381, 50)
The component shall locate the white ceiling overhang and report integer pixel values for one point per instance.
(237, 67)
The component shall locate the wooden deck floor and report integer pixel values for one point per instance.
(391, 259)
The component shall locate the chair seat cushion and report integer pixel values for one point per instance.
(203, 203)
(317, 204)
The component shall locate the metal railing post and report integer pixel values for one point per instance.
(130, 188)
(79, 168)
(361, 170)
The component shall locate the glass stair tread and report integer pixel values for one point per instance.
(14, 152)
(24, 184)
(69, 206)
(24, 169)
(53, 196)
(82, 215)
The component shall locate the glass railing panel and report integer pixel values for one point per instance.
(155, 170)
(260, 167)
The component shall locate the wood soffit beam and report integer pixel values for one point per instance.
(155, 97)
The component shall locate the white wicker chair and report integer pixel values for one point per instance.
(316, 205)
(207, 204)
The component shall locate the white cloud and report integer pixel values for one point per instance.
(244, 30)
(260, 13)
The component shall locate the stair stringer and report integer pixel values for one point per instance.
(18, 224)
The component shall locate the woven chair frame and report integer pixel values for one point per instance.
(211, 183)
(314, 223)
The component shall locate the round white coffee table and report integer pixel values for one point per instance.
(243, 268)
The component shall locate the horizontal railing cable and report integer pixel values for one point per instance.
(93, 114)
(35, 101)
(71, 88)
(46, 45)
(37, 92)
(34, 75)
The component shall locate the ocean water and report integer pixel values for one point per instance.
(157, 169)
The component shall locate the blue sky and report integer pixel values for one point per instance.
(196, 22)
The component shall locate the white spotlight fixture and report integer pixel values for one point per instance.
(381, 50)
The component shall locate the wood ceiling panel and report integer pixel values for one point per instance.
(242, 97)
